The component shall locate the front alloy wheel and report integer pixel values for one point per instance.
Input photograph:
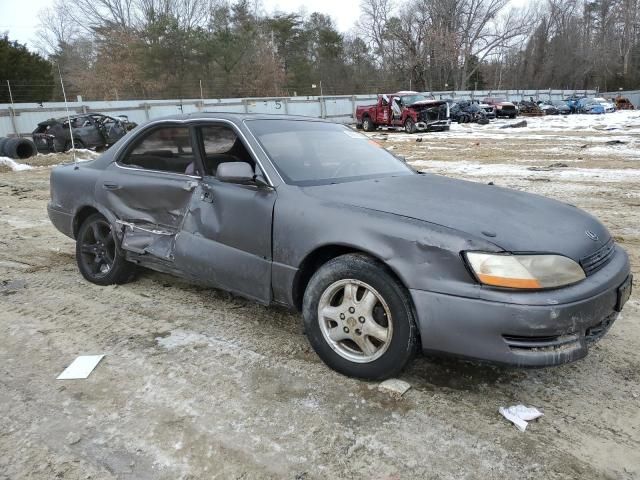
(355, 320)
(358, 317)
(410, 126)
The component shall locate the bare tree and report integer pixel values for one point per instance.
(56, 27)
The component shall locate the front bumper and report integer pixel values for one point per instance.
(434, 126)
(519, 334)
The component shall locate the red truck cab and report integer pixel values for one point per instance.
(411, 111)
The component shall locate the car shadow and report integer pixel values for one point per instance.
(436, 373)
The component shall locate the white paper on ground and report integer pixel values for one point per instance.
(520, 415)
(81, 367)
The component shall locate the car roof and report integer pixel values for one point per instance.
(236, 117)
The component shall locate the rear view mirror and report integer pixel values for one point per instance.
(235, 172)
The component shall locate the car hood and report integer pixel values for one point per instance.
(514, 221)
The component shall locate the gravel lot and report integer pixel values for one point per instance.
(199, 384)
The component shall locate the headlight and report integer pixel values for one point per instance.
(524, 271)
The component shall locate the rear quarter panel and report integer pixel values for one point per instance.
(73, 188)
(369, 110)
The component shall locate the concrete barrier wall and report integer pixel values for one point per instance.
(23, 118)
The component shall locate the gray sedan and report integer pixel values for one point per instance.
(381, 261)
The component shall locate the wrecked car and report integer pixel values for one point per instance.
(561, 106)
(489, 110)
(92, 130)
(409, 110)
(548, 108)
(503, 107)
(381, 260)
(623, 103)
(467, 111)
(529, 108)
(608, 106)
(590, 106)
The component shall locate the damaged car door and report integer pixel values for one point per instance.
(226, 236)
(149, 190)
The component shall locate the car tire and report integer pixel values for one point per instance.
(3, 141)
(98, 256)
(352, 335)
(19, 148)
(368, 125)
(410, 126)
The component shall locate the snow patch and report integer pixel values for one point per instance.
(506, 170)
(13, 165)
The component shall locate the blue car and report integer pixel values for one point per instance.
(573, 102)
(590, 105)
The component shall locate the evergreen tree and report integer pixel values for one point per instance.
(28, 73)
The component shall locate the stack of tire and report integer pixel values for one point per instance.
(19, 148)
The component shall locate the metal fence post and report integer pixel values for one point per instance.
(353, 107)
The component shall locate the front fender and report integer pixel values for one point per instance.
(424, 256)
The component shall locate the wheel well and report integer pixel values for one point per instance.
(81, 216)
(319, 257)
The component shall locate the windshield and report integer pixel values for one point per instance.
(317, 153)
(410, 99)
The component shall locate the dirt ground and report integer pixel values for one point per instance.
(199, 384)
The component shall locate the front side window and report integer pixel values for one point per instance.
(221, 144)
(165, 149)
(316, 153)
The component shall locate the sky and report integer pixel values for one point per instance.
(19, 17)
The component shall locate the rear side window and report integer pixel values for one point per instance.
(166, 149)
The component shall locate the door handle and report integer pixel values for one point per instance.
(111, 186)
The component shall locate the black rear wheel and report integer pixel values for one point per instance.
(97, 254)
(368, 125)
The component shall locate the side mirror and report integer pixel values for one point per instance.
(235, 172)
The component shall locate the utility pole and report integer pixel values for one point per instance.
(73, 144)
(10, 95)
(201, 95)
(13, 111)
